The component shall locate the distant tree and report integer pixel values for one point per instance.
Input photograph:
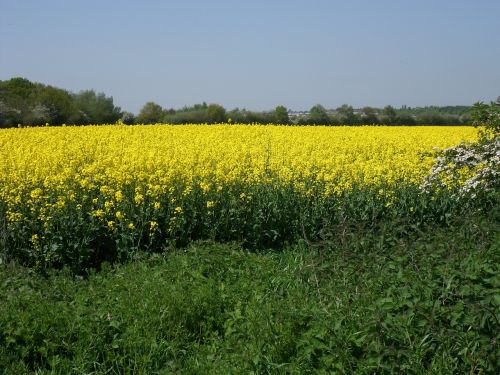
(281, 115)
(18, 98)
(195, 114)
(150, 113)
(465, 119)
(10, 114)
(369, 116)
(56, 103)
(199, 107)
(437, 119)
(41, 114)
(216, 113)
(347, 115)
(243, 116)
(4, 111)
(318, 115)
(187, 117)
(96, 108)
(17, 86)
(259, 117)
(237, 116)
(128, 118)
(404, 119)
(389, 111)
(389, 115)
(25, 102)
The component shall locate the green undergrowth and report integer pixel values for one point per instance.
(364, 302)
(274, 217)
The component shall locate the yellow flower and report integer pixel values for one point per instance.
(60, 203)
(99, 213)
(35, 240)
(210, 204)
(153, 226)
(205, 187)
(13, 216)
(178, 210)
(35, 194)
(139, 198)
(119, 196)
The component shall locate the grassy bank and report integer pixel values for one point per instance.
(368, 301)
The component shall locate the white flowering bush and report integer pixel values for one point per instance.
(473, 169)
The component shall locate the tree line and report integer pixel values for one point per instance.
(23, 102)
(347, 115)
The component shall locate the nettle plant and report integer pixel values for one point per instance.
(471, 168)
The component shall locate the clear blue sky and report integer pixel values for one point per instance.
(258, 54)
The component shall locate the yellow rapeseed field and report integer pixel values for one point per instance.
(67, 188)
(40, 161)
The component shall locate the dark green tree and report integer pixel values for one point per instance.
(151, 113)
(57, 103)
(404, 119)
(389, 115)
(96, 108)
(281, 115)
(128, 118)
(195, 114)
(436, 119)
(27, 103)
(20, 87)
(369, 116)
(318, 115)
(216, 113)
(347, 115)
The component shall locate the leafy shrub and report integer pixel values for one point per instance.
(488, 117)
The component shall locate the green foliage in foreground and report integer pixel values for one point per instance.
(361, 302)
(274, 218)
